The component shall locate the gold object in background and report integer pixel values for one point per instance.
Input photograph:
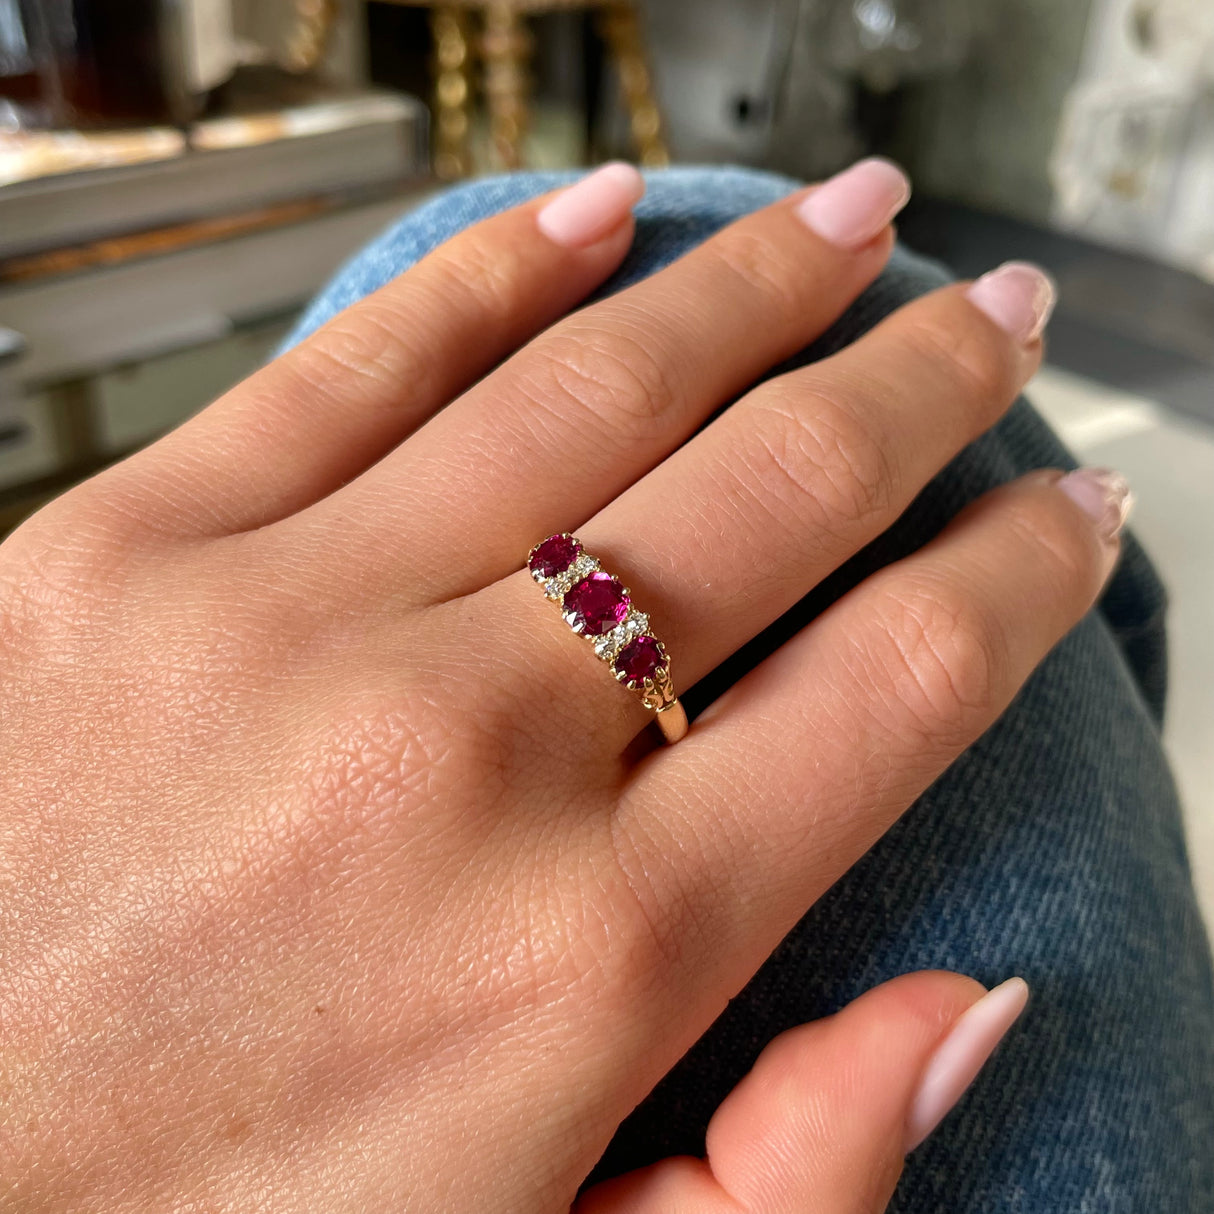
(504, 46)
(452, 88)
(506, 51)
(309, 37)
(621, 26)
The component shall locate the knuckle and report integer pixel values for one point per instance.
(489, 272)
(761, 268)
(1067, 560)
(376, 340)
(617, 381)
(363, 344)
(825, 453)
(980, 367)
(65, 556)
(948, 658)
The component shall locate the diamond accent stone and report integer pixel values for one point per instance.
(555, 587)
(610, 643)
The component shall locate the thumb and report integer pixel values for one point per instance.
(822, 1122)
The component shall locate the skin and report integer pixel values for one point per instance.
(337, 875)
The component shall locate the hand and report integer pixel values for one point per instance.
(333, 876)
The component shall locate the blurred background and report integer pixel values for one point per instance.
(178, 176)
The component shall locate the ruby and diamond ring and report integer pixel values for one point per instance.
(598, 606)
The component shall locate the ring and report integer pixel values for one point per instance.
(598, 607)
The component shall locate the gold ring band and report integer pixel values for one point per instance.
(599, 607)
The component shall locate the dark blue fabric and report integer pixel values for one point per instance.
(1052, 849)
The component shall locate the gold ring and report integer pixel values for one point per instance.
(598, 607)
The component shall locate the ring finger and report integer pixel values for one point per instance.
(749, 516)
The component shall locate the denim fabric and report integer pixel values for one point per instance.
(1052, 848)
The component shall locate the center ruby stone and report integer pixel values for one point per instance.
(638, 660)
(554, 555)
(597, 602)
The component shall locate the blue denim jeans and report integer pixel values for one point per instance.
(1051, 849)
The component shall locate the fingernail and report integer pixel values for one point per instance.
(1018, 296)
(585, 212)
(1103, 494)
(961, 1055)
(855, 205)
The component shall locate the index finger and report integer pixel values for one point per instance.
(334, 404)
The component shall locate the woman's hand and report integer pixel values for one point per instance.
(332, 875)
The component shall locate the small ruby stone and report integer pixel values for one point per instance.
(554, 555)
(597, 602)
(638, 660)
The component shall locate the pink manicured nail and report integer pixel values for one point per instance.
(853, 206)
(961, 1055)
(1018, 297)
(593, 207)
(1104, 496)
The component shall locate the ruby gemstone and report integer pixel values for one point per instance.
(598, 603)
(554, 555)
(638, 660)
